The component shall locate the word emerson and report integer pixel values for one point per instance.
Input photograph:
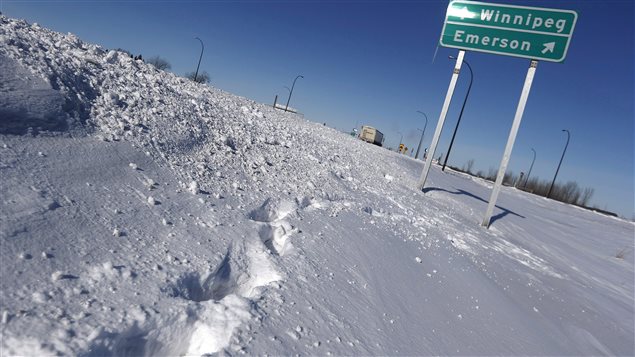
(461, 37)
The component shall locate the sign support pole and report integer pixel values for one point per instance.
(444, 112)
(510, 142)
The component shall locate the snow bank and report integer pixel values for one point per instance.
(143, 214)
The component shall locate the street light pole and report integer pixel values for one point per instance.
(199, 58)
(422, 133)
(562, 157)
(291, 91)
(288, 90)
(530, 167)
(460, 114)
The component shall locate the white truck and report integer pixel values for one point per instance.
(371, 135)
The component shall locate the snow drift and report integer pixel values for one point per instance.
(143, 214)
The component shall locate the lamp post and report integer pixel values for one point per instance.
(291, 91)
(560, 163)
(199, 58)
(530, 167)
(288, 90)
(422, 133)
(418, 146)
(460, 114)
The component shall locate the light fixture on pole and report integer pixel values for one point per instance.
(562, 157)
(291, 92)
(460, 114)
(422, 133)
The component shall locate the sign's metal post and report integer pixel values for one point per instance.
(444, 112)
(510, 141)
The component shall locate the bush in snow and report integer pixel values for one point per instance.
(202, 77)
(159, 63)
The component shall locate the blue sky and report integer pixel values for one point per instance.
(374, 63)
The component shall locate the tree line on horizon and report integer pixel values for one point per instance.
(569, 192)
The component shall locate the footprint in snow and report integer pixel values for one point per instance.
(275, 231)
(216, 303)
(272, 210)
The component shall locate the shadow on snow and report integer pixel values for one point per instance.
(504, 212)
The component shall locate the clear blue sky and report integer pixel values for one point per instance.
(371, 62)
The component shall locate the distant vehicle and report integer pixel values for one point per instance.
(372, 135)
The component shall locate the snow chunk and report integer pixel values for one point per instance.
(25, 256)
(57, 276)
(373, 212)
(5, 317)
(272, 210)
(214, 330)
(194, 187)
(112, 57)
(107, 271)
(40, 297)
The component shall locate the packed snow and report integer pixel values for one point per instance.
(143, 214)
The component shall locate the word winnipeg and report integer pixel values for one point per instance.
(490, 15)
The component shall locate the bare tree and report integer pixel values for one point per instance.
(586, 196)
(202, 77)
(509, 178)
(575, 197)
(567, 191)
(159, 63)
(491, 174)
(532, 186)
(469, 166)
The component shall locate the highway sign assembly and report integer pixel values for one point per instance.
(520, 31)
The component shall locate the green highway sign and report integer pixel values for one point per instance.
(520, 31)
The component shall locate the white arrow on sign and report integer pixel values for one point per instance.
(462, 13)
(548, 47)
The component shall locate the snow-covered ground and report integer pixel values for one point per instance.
(143, 214)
